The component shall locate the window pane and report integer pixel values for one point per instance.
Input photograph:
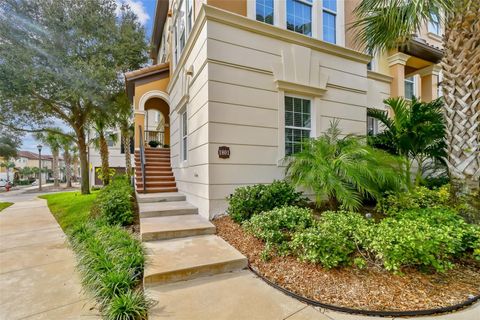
(288, 104)
(288, 118)
(299, 17)
(329, 32)
(264, 11)
(330, 4)
(409, 88)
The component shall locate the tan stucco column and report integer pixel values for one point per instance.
(397, 63)
(139, 120)
(429, 83)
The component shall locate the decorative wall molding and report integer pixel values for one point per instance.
(152, 94)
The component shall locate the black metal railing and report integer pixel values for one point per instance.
(154, 135)
(142, 156)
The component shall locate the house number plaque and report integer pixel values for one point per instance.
(224, 152)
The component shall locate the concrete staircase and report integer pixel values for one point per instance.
(158, 171)
(181, 244)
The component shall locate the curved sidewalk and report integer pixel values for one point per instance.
(37, 269)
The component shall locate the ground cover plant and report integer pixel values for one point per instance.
(4, 205)
(110, 258)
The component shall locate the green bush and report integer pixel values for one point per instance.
(110, 260)
(250, 200)
(418, 198)
(422, 237)
(275, 227)
(332, 240)
(114, 202)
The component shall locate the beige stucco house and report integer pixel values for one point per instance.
(238, 84)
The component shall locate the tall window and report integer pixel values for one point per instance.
(329, 20)
(372, 126)
(434, 24)
(409, 88)
(181, 27)
(264, 11)
(298, 118)
(184, 130)
(189, 16)
(299, 16)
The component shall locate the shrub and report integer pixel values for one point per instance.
(110, 260)
(153, 143)
(417, 198)
(115, 202)
(332, 240)
(275, 227)
(344, 170)
(250, 200)
(425, 238)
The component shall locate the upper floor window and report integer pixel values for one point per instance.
(184, 130)
(298, 119)
(181, 30)
(434, 24)
(409, 88)
(264, 11)
(189, 16)
(299, 16)
(329, 15)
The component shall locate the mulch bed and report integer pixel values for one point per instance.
(371, 288)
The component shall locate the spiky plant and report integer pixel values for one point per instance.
(343, 170)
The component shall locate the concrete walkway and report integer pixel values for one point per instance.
(37, 270)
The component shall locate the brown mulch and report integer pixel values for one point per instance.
(371, 288)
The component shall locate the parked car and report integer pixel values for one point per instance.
(3, 183)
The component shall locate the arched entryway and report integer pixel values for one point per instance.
(157, 121)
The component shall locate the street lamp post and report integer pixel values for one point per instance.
(39, 167)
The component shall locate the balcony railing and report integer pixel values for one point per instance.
(153, 135)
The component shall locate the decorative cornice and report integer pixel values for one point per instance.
(379, 76)
(398, 58)
(294, 87)
(434, 70)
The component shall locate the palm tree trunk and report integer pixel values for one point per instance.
(82, 152)
(55, 168)
(104, 159)
(126, 146)
(461, 89)
(68, 168)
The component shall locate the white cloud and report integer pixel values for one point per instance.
(137, 7)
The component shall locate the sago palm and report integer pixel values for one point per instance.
(413, 129)
(389, 24)
(343, 170)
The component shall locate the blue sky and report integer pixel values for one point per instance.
(145, 10)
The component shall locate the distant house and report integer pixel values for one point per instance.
(30, 159)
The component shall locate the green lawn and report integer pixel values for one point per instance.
(71, 209)
(4, 205)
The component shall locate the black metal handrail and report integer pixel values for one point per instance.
(142, 157)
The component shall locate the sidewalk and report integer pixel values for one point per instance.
(37, 274)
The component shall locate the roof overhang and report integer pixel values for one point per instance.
(161, 13)
(140, 74)
(416, 47)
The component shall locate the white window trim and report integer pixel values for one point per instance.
(431, 30)
(314, 101)
(280, 17)
(415, 83)
(183, 138)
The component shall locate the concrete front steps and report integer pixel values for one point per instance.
(181, 244)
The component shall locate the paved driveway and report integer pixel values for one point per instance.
(37, 275)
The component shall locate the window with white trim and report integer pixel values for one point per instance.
(329, 17)
(184, 131)
(409, 88)
(434, 24)
(372, 126)
(299, 16)
(189, 16)
(298, 123)
(264, 11)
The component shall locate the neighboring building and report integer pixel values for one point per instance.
(116, 159)
(30, 159)
(251, 79)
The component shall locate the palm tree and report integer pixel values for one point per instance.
(124, 121)
(101, 124)
(52, 139)
(414, 130)
(343, 170)
(388, 24)
(67, 143)
(75, 162)
(7, 165)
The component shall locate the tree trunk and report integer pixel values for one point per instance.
(461, 90)
(82, 152)
(126, 146)
(68, 168)
(75, 168)
(55, 168)
(104, 159)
